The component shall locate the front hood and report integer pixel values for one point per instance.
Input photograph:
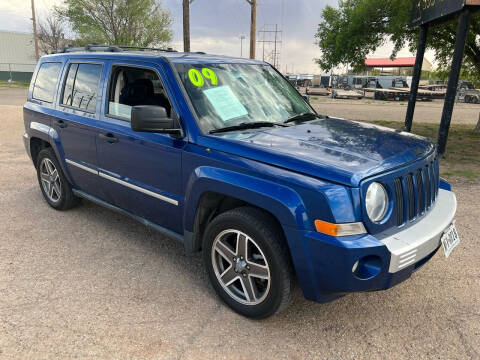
(334, 149)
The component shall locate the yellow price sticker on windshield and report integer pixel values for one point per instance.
(196, 77)
(210, 74)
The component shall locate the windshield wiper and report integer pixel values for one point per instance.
(303, 117)
(246, 125)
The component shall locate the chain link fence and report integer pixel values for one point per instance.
(16, 72)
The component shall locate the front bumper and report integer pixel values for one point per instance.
(328, 267)
(409, 246)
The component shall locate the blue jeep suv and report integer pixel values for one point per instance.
(225, 156)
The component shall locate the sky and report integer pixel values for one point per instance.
(216, 27)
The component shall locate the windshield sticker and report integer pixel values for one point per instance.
(196, 77)
(210, 75)
(225, 102)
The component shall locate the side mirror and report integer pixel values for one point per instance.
(151, 118)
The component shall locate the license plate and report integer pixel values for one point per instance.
(450, 239)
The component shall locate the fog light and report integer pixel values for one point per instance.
(367, 267)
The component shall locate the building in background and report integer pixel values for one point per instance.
(397, 66)
(17, 56)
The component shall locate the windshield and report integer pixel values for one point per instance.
(225, 95)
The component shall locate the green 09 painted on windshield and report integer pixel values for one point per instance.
(196, 77)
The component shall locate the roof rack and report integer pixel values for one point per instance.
(106, 48)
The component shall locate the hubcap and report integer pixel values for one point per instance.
(241, 267)
(50, 180)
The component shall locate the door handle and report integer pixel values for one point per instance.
(61, 124)
(108, 138)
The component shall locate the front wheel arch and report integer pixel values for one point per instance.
(265, 234)
(212, 204)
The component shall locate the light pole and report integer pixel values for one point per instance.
(242, 37)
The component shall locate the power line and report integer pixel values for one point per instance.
(271, 35)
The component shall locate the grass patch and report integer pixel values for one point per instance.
(462, 157)
(467, 174)
(13, 85)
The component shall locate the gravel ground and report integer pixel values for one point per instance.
(13, 96)
(367, 109)
(90, 283)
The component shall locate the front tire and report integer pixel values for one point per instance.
(55, 187)
(248, 263)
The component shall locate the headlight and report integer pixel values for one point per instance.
(376, 202)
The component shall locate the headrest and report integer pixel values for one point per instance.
(140, 89)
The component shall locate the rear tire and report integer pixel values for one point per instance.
(55, 187)
(257, 282)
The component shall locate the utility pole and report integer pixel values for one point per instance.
(275, 53)
(186, 25)
(253, 27)
(35, 37)
(263, 43)
(242, 37)
(275, 48)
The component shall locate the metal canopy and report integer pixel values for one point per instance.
(424, 13)
(427, 11)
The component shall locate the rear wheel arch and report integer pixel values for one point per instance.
(37, 145)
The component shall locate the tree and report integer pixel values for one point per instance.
(118, 22)
(51, 34)
(349, 33)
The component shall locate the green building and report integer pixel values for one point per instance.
(17, 56)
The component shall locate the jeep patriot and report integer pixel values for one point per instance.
(225, 156)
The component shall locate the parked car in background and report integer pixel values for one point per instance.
(466, 92)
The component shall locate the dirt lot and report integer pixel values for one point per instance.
(90, 283)
(12, 96)
(369, 109)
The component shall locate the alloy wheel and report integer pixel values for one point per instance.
(50, 180)
(241, 267)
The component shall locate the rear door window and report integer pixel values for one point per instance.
(81, 86)
(46, 81)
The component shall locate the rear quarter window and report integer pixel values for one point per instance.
(82, 86)
(46, 81)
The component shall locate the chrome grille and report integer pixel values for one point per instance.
(415, 192)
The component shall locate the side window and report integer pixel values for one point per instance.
(46, 81)
(81, 86)
(130, 86)
(68, 89)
